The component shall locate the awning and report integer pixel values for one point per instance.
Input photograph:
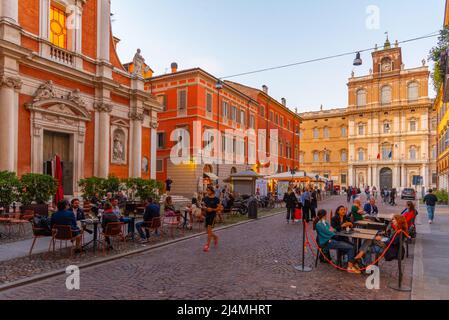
(212, 176)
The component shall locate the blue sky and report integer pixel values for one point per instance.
(234, 36)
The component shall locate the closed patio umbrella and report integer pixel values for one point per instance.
(58, 176)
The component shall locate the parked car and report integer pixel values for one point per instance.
(409, 194)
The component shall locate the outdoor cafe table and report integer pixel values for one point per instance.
(94, 223)
(368, 224)
(384, 216)
(357, 235)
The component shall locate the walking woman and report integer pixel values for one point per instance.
(212, 206)
(290, 202)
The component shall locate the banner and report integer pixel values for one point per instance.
(283, 188)
(262, 187)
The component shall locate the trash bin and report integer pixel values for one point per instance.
(252, 208)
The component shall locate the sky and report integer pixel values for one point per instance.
(234, 36)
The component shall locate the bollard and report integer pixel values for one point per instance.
(302, 267)
(399, 286)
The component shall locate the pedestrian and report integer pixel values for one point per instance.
(431, 201)
(168, 184)
(291, 203)
(212, 206)
(393, 197)
(306, 204)
(349, 194)
(313, 203)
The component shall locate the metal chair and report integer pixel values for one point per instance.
(113, 230)
(63, 233)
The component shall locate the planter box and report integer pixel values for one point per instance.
(39, 209)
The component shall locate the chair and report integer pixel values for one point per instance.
(113, 230)
(28, 215)
(153, 225)
(172, 222)
(63, 234)
(328, 255)
(37, 233)
(18, 220)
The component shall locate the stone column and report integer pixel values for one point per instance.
(425, 176)
(136, 147)
(396, 177)
(351, 181)
(103, 26)
(404, 177)
(104, 135)
(9, 11)
(375, 177)
(153, 151)
(370, 176)
(8, 115)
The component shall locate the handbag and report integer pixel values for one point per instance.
(298, 214)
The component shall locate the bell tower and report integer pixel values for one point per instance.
(388, 59)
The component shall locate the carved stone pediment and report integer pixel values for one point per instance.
(71, 107)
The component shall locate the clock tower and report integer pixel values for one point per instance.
(388, 60)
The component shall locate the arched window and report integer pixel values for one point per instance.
(361, 129)
(361, 155)
(344, 156)
(385, 95)
(413, 153)
(58, 26)
(361, 98)
(316, 156)
(413, 125)
(387, 127)
(413, 91)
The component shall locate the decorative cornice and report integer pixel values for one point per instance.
(11, 82)
(154, 125)
(136, 116)
(103, 107)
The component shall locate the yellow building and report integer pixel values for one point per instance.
(387, 134)
(324, 144)
(443, 124)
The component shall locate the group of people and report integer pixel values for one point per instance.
(346, 220)
(306, 201)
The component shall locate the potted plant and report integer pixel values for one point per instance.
(91, 186)
(36, 191)
(144, 189)
(439, 55)
(9, 187)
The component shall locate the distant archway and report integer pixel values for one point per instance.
(386, 178)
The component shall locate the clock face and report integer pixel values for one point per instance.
(386, 66)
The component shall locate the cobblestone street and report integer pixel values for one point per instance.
(253, 261)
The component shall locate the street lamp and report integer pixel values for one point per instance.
(358, 60)
(219, 87)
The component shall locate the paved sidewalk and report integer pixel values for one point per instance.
(431, 265)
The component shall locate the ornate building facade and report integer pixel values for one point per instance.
(64, 91)
(391, 127)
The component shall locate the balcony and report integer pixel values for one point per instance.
(62, 56)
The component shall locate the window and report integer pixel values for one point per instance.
(385, 95)
(316, 156)
(271, 116)
(163, 101)
(343, 179)
(288, 125)
(301, 134)
(281, 121)
(209, 102)
(361, 155)
(344, 131)
(344, 156)
(413, 91)
(301, 157)
(161, 140)
(182, 99)
(252, 122)
(262, 111)
(234, 113)
(58, 27)
(276, 119)
(387, 151)
(159, 165)
(242, 117)
(413, 125)
(327, 157)
(413, 153)
(434, 152)
(361, 98)
(387, 127)
(361, 129)
(326, 133)
(225, 109)
(316, 133)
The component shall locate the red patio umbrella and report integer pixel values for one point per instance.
(58, 176)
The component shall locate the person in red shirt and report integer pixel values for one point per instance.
(410, 214)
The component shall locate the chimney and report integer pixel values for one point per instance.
(284, 102)
(265, 89)
(174, 67)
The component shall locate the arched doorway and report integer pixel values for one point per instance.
(386, 178)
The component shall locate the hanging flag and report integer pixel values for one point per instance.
(390, 155)
(378, 156)
(58, 176)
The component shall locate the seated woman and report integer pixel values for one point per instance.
(380, 243)
(327, 240)
(410, 214)
(340, 222)
(357, 212)
(169, 208)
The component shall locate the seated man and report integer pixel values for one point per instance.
(78, 212)
(371, 208)
(152, 210)
(63, 217)
(107, 217)
(126, 220)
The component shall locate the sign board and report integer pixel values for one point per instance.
(283, 188)
(262, 187)
(417, 180)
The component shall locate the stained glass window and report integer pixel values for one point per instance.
(58, 27)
